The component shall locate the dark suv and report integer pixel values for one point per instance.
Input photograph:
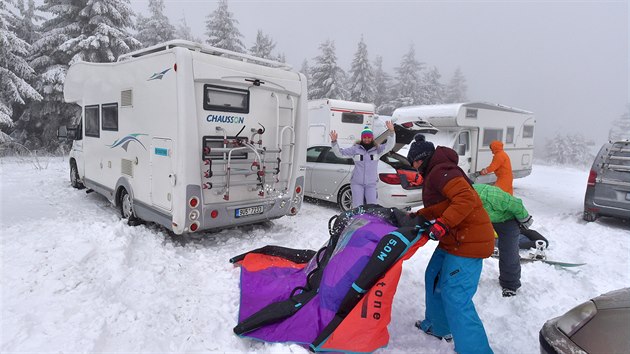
(608, 189)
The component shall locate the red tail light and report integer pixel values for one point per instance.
(194, 226)
(193, 202)
(407, 125)
(214, 214)
(389, 178)
(298, 190)
(592, 176)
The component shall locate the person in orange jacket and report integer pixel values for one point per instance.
(501, 166)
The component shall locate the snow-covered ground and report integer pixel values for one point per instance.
(75, 278)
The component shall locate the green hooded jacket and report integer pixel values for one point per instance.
(501, 206)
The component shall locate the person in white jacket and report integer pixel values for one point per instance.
(366, 154)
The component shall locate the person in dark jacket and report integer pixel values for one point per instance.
(366, 154)
(465, 235)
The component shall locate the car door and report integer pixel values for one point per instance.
(329, 173)
(312, 155)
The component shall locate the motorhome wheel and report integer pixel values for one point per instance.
(126, 206)
(74, 176)
(344, 198)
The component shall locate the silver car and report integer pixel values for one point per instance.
(328, 178)
(608, 187)
(599, 325)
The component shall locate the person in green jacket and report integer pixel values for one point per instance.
(507, 214)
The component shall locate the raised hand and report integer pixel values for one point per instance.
(389, 125)
(333, 136)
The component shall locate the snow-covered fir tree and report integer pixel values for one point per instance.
(25, 22)
(281, 58)
(327, 78)
(408, 81)
(306, 70)
(382, 88)
(456, 88)
(222, 31)
(263, 46)
(621, 127)
(570, 149)
(89, 30)
(15, 72)
(156, 28)
(361, 83)
(432, 90)
(183, 31)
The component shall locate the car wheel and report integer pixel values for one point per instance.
(344, 198)
(126, 208)
(74, 176)
(588, 216)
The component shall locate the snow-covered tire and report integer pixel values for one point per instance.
(344, 198)
(588, 216)
(74, 176)
(126, 208)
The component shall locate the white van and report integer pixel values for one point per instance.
(469, 128)
(190, 136)
(346, 117)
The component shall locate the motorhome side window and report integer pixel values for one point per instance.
(528, 131)
(490, 135)
(92, 126)
(471, 113)
(109, 112)
(353, 118)
(226, 99)
(509, 136)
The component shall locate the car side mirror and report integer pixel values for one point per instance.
(62, 132)
(461, 149)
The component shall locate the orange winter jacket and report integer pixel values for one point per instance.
(448, 194)
(501, 166)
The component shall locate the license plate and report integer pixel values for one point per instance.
(249, 211)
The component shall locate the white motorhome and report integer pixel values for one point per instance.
(469, 128)
(346, 117)
(190, 136)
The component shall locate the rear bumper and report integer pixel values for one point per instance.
(396, 197)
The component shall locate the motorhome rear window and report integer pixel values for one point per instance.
(92, 126)
(109, 112)
(490, 135)
(528, 131)
(225, 99)
(353, 118)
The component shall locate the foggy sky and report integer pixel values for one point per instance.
(566, 61)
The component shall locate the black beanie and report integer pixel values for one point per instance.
(420, 149)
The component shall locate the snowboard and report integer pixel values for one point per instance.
(531, 259)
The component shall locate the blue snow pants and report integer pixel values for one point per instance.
(363, 192)
(509, 257)
(450, 283)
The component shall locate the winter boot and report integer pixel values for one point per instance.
(448, 337)
(508, 292)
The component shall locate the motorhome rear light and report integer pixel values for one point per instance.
(193, 202)
(389, 178)
(407, 125)
(214, 214)
(293, 210)
(298, 190)
(194, 226)
(592, 176)
(175, 66)
(399, 195)
(194, 215)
